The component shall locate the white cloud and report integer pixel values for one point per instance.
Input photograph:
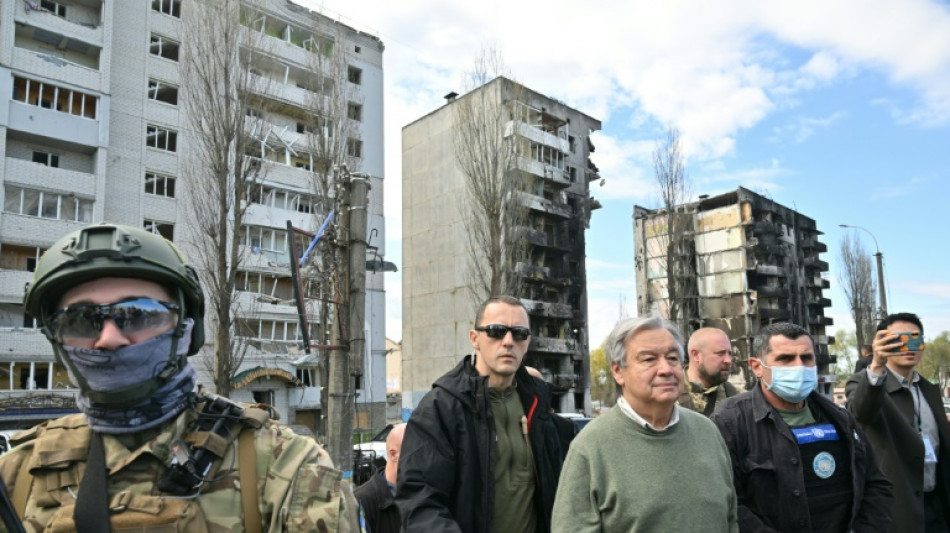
(804, 127)
(929, 289)
(712, 69)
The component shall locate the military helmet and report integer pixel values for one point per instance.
(112, 250)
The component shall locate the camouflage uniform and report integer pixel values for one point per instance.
(695, 397)
(298, 488)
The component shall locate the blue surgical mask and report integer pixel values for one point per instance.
(792, 383)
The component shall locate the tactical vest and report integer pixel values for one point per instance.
(58, 462)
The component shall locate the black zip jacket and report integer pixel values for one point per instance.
(767, 467)
(445, 481)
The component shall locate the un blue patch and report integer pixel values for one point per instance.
(821, 432)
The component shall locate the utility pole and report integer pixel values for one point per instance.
(346, 356)
(880, 281)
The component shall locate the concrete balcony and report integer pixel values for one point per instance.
(554, 175)
(87, 33)
(542, 205)
(262, 215)
(33, 406)
(811, 243)
(532, 271)
(54, 124)
(304, 397)
(34, 231)
(552, 345)
(815, 263)
(558, 241)
(12, 283)
(24, 344)
(286, 93)
(286, 51)
(565, 382)
(49, 178)
(548, 309)
(54, 68)
(770, 270)
(534, 134)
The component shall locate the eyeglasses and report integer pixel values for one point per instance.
(497, 331)
(84, 321)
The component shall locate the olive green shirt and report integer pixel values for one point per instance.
(514, 464)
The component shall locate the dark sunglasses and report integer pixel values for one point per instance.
(497, 331)
(84, 321)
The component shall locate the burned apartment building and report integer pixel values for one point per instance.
(95, 127)
(552, 162)
(739, 261)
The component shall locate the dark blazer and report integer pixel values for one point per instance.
(886, 413)
(378, 505)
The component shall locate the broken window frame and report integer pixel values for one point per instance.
(54, 7)
(159, 184)
(158, 227)
(44, 204)
(354, 75)
(171, 8)
(55, 98)
(160, 138)
(164, 47)
(164, 92)
(354, 147)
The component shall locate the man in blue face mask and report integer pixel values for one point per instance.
(800, 463)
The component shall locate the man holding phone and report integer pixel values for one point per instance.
(902, 414)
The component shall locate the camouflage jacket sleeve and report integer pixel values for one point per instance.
(301, 490)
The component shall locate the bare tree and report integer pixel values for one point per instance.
(857, 280)
(673, 181)
(494, 201)
(219, 88)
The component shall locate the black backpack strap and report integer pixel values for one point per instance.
(92, 502)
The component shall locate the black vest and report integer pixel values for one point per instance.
(826, 466)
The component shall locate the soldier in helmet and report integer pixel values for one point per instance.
(123, 312)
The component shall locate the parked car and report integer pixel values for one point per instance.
(578, 419)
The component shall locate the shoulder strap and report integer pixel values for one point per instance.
(92, 503)
(22, 488)
(247, 468)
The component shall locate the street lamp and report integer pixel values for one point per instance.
(880, 268)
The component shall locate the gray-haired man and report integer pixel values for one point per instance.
(646, 464)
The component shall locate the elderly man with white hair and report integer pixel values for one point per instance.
(646, 464)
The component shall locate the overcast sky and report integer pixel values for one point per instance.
(840, 110)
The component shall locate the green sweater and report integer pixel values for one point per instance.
(619, 476)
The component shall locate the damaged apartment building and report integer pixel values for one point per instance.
(740, 261)
(553, 162)
(95, 127)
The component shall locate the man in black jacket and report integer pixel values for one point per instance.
(378, 509)
(481, 451)
(800, 463)
(903, 416)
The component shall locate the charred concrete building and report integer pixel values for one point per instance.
(438, 306)
(739, 261)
